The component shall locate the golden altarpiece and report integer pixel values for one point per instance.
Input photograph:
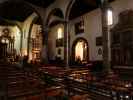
(37, 44)
(7, 44)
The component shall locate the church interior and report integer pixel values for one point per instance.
(66, 50)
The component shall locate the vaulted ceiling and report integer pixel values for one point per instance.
(41, 3)
(81, 7)
(15, 11)
(20, 11)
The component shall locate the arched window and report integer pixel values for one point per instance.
(59, 33)
(109, 17)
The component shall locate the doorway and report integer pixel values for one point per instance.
(80, 50)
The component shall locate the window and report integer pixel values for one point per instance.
(99, 41)
(109, 17)
(59, 33)
(59, 40)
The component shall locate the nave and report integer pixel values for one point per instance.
(50, 82)
(66, 50)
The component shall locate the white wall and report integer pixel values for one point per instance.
(93, 28)
(52, 42)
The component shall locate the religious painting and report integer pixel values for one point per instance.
(99, 41)
(100, 51)
(59, 42)
(79, 27)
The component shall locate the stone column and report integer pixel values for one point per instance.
(21, 43)
(66, 45)
(45, 53)
(11, 47)
(105, 34)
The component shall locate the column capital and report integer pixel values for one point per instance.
(46, 28)
(104, 2)
(66, 21)
(46, 31)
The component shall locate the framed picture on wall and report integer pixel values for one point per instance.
(59, 42)
(100, 52)
(99, 41)
(79, 27)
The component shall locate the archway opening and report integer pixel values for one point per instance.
(80, 51)
(55, 23)
(55, 15)
(35, 41)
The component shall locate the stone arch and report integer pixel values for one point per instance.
(55, 22)
(31, 24)
(68, 10)
(56, 12)
(37, 12)
(30, 7)
(73, 48)
(26, 4)
(29, 35)
(19, 27)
